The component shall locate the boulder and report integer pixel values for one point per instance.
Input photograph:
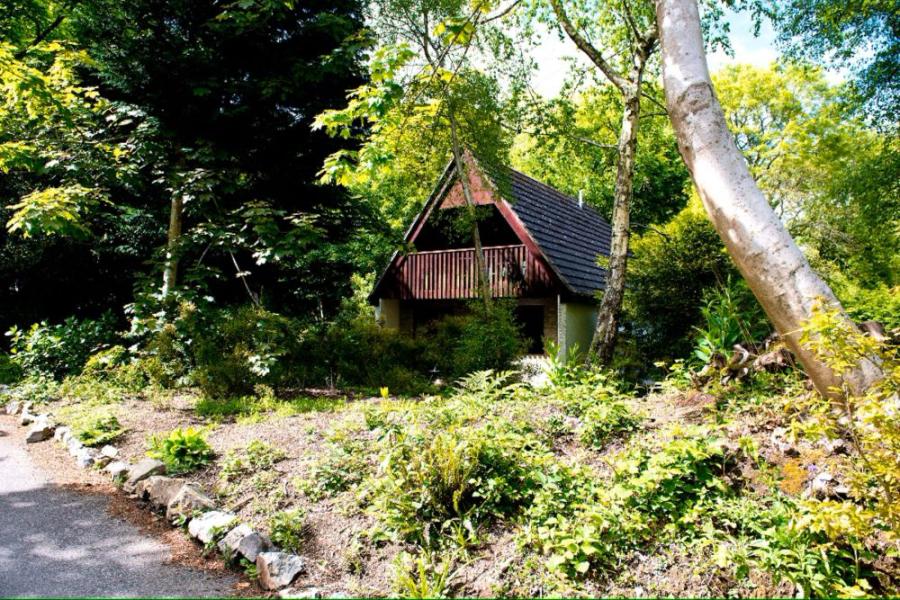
(242, 540)
(209, 525)
(86, 458)
(27, 418)
(189, 499)
(117, 469)
(143, 470)
(40, 431)
(12, 407)
(62, 434)
(159, 489)
(278, 569)
(74, 445)
(821, 485)
(109, 451)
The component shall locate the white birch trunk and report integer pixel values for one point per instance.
(765, 254)
(170, 270)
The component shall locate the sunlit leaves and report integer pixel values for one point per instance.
(55, 210)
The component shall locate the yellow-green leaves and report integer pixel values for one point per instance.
(54, 210)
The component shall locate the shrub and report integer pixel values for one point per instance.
(604, 420)
(483, 339)
(582, 526)
(731, 315)
(182, 450)
(453, 481)
(339, 470)
(62, 349)
(287, 529)
(100, 431)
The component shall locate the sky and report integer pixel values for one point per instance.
(553, 55)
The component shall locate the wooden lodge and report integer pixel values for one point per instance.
(541, 248)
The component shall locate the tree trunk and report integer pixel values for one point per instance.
(484, 286)
(170, 270)
(604, 341)
(765, 254)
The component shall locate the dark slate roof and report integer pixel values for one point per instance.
(571, 236)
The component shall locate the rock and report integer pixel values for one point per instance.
(101, 461)
(12, 407)
(189, 499)
(278, 569)
(143, 470)
(62, 434)
(244, 541)
(307, 592)
(159, 489)
(207, 526)
(109, 451)
(820, 487)
(27, 418)
(117, 469)
(74, 445)
(40, 431)
(86, 457)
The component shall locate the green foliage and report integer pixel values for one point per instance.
(868, 419)
(10, 371)
(668, 274)
(182, 450)
(102, 430)
(288, 530)
(484, 338)
(257, 456)
(732, 316)
(785, 538)
(422, 576)
(605, 420)
(340, 469)
(444, 485)
(581, 526)
(62, 349)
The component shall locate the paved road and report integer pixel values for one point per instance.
(54, 542)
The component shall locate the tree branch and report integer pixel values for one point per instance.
(585, 46)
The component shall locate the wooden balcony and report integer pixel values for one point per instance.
(513, 271)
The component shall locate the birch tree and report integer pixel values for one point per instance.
(774, 267)
(626, 30)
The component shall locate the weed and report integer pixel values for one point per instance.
(288, 530)
(422, 576)
(604, 420)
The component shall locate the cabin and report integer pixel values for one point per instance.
(541, 248)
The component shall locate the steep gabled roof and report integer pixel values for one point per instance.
(569, 235)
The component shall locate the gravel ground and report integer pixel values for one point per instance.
(57, 540)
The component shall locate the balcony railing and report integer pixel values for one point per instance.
(452, 274)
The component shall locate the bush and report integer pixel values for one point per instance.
(731, 316)
(182, 450)
(483, 339)
(60, 350)
(448, 483)
(100, 431)
(287, 530)
(604, 420)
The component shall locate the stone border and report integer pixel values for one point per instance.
(183, 502)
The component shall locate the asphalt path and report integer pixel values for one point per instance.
(56, 542)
